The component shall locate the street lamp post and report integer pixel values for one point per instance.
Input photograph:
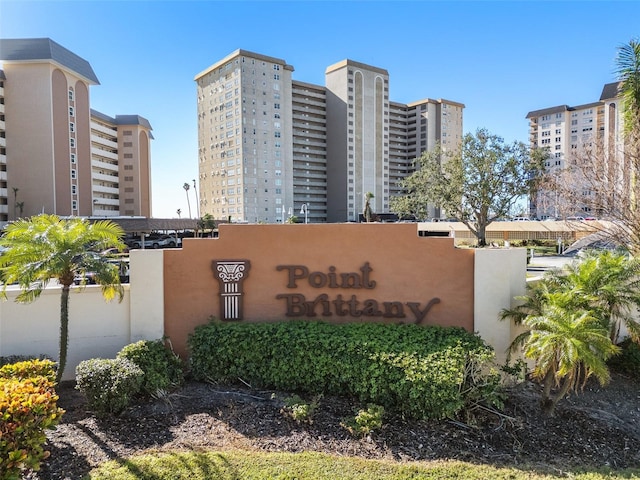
(195, 192)
(305, 210)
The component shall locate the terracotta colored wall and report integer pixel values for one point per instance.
(405, 268)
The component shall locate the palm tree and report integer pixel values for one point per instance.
(15, 202)
(568, 346)
(178, 211)
(186, 187)
(46, 247)
(20, 206)
(628, 71)
(608, 284)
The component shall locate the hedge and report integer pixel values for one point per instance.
(413, 370)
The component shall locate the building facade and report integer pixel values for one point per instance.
(270, 147)
(57, 155)
(569, 132)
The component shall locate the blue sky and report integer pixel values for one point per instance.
(501, 59)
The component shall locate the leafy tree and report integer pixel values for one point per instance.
(47, 247)
(477, 183)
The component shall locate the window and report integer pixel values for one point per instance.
(74, 173)
(71, 94)
(73, 158)
(276, 76)
(74, 205)
(72, 142)
(128, 144)
(127, 132)
(71, 112)
(74, 189)
(72, 127)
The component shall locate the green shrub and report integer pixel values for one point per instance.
(108, 384)
(27, 408)
(628, 360)
(162, 368)
(414, 370)
(366, 421)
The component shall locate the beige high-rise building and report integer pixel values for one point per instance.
(566, 132)
(308, 150)
(57, 155)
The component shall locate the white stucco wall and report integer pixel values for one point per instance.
(97, 329)
(500, 275)
(100, 329)
(147, 294)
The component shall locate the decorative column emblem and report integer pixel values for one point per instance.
(231, 275)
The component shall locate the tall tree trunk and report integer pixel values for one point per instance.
(64, 331)
(482, 235)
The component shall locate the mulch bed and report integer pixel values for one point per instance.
(596, 428)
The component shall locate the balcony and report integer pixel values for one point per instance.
(3, 176)
(3, 142)
(96, 163)
(3, 192)
(107, 190)
(98, 212)
(105, 178)
(104, 141)
(4, 209)
(102, 129)
(106, 201)
(98, 152)
(2, 125)
(3, 159)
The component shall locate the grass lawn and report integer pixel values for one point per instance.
(241, 465)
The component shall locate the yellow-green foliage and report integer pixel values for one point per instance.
(29, 369)
(27, 408)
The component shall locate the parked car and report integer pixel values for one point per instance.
(155, 241)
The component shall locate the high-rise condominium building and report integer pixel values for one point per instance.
(270, 147)
(57, 155)
(567, 132)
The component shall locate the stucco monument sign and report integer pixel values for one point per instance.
(332, 272)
